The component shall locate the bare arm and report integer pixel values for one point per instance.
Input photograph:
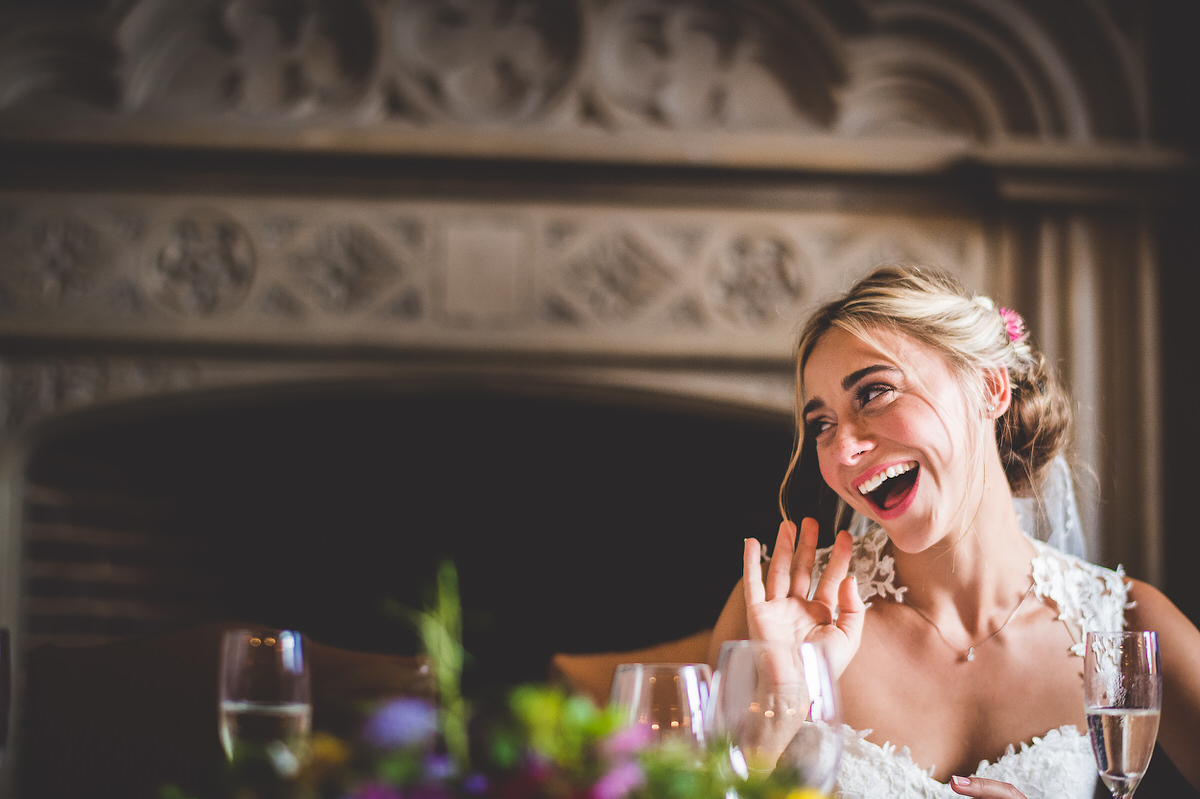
(1179, 649)
(731, 624)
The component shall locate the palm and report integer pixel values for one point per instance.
(779, 607)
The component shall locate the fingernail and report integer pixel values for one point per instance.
(960, 782)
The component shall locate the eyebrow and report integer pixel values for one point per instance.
(848, 381)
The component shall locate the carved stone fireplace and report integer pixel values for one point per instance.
(228, 204)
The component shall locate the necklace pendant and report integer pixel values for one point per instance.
(971, 653)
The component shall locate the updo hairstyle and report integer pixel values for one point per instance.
(933, 308)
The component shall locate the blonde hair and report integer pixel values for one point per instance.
(933, 308)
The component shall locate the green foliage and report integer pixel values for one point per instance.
(545, 744)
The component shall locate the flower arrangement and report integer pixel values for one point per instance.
(542, 743)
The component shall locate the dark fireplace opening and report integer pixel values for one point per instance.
(576, 523)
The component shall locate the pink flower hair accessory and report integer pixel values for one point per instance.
(1014, 325)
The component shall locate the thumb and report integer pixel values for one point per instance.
(851, 614)
(851, 609)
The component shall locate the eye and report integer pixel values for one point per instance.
(813, 428)
(869, 393)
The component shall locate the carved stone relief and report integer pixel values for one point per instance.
(343, 268)
(257, 70)
(31, 389)
(753, 276)
(392, 272)
(204, 264)
(617, 276)
(252, 58)
(479, 62)
(711, 66)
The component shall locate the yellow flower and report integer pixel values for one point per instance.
(327, 756)
(806, 793)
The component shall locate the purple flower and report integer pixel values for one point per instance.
(629, 740)
(439, 767)
(401, 723)
(475, 784)
(619, 781)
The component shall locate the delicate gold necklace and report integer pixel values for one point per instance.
(969, 655)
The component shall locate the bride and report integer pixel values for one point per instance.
(957, 637)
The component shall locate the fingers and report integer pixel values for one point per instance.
(804, 558)
(988, 789)
(836, 571)
(752, 579)
(851, 614)
(779, 581)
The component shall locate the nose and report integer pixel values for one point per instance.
(850, 444)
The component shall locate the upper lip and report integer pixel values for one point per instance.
(869, 481)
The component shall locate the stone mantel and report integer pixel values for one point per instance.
(634, 195)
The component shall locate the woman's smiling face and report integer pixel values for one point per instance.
(891, 426)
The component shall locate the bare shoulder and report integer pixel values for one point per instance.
(1179, 646)
(1179, 640)
(1152, 610)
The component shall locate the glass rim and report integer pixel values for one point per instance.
(747, 643)
(276, 631)
(1091, 635)
(650, 664)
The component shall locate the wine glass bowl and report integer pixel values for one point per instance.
(777, 705)
(265, 704)
(1122, 687)
(665, 700)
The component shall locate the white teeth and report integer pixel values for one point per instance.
(891, 471)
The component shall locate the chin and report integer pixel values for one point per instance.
(909, 536)
(907, 544)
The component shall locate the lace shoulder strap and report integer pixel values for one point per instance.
(874, 571)
(1088, 597)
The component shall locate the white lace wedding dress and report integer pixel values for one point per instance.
(1056, 765)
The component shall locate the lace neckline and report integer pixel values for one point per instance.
(1058, 763)
(857, 744)
(1088, 597)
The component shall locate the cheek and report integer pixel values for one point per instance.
(829, 472)
(919, 427)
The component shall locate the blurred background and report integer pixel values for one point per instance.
(300, 298)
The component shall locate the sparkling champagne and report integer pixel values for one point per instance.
(266, 725)
(1123, 741)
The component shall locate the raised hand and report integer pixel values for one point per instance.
(779, 608)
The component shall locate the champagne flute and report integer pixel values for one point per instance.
(777, 706)
(665, 700)
(6, 660)
(1122, 689)
(265, 703)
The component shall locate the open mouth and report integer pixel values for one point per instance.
(889, 488)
